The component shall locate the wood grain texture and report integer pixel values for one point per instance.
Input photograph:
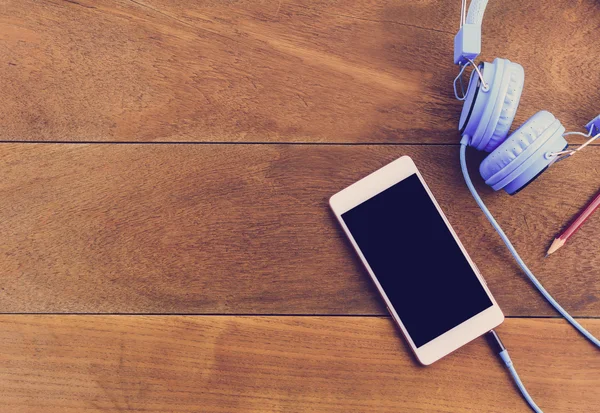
(246, 229)
(303, 71)
(280, 364)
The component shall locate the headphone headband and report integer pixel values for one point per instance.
(467, 42)
(476, 10)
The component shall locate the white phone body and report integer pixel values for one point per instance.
(456, 337)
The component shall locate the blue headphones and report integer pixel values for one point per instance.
(490, 105)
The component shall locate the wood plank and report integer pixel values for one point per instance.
(280, 364)
(246, 229)
(248, 71)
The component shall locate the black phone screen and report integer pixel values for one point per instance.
(417, 261)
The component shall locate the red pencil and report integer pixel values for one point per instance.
(583, 216)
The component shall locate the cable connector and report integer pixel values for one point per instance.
(467, 43)
(497, 345)
(495, 342)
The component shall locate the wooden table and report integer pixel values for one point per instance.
(166, 242)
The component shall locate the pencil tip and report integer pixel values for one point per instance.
(546, 255)
(556, 245)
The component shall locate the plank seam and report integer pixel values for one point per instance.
(242, 143)
(550, 317)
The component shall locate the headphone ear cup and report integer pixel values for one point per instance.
(488, 113)
(523, 156)
(509, 103)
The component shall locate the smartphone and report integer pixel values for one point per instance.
(431, 287)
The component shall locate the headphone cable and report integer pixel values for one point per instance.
(463, 164)
(497, 345)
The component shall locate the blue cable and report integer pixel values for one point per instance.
(498, 347)
(506, 358)
(463, 164)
